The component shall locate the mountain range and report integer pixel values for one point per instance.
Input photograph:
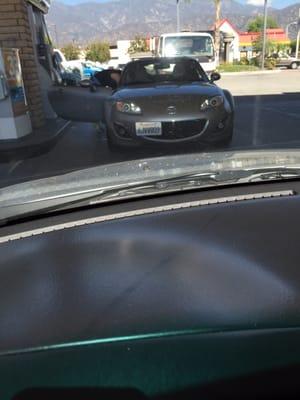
(275, 3)
(125, 19)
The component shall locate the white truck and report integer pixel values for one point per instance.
(198, 45)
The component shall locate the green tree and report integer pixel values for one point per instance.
(138, 45)
(271, 47)
(71, 51)
(283, 48)
(257, 24)
(98, 51)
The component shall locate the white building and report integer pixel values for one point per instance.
(226, 29)
(119, 54)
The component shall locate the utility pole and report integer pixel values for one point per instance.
(178, 15)
(56, 35)
(217, 28)
(298, 37)
(264, 34)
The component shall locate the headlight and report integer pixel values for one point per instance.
(128, 108)
(214, 102)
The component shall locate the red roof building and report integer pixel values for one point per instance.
(275, 35)
(242, 44)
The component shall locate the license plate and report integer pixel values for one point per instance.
(148, 128)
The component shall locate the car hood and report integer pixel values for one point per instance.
(168, 90)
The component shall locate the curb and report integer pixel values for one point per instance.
(275, 71)
(29, 148)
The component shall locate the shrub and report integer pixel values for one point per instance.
(255, 61)
(270, 63)
(138, 45)
(71, 51)
(244, 61)
(98, 51)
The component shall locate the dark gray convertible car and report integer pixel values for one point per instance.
(154, 100)
(168, 100)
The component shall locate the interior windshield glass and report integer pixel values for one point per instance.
(101, 96)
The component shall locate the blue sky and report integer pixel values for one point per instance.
(274, 3)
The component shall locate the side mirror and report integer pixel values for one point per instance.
(215, 76)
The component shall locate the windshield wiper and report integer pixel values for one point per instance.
(108, 194)
(177, 183)
(278, 174)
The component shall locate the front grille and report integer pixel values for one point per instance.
(182, 129)
(170, 130)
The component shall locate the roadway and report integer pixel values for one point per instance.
(267, 116)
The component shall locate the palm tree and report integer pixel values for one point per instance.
(217, 22)
(217, 25)
(178, 13)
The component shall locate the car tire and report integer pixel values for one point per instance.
(294, 65)
(224, 140)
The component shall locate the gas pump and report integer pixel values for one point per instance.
(14, 115)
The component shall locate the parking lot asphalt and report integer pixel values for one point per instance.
(267, 116)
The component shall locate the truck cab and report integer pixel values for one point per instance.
(190, 44)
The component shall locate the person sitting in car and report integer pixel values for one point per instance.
(184, 72)
(106, 78)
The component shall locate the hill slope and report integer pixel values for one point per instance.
(124, 19)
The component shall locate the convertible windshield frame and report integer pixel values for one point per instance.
(175, 41)
(191, 66)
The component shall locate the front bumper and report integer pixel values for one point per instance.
(207, 125)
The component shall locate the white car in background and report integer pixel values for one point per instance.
(85, 67)
(64, 62)
(286, 60)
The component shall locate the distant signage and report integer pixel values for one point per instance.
(42, 5)
(13, 74)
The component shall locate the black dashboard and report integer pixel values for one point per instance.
(156, 303)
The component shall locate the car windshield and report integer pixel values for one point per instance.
(163, 70)
(129, 98)
(189, 46)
